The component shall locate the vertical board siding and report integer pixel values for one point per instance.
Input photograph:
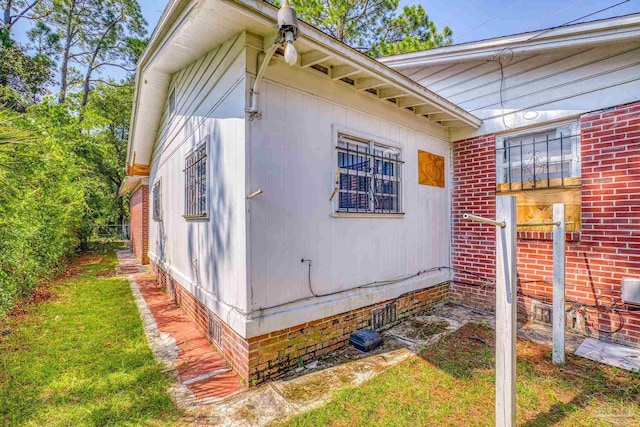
(207, 256)
(554, 84)
(292, 153)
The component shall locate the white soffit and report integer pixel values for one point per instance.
(189, 29)
(603, 31)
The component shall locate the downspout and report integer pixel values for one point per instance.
(253, 111)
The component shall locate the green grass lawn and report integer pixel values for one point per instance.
(452, 384)
(77, 355)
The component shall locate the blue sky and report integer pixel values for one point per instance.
(481, 19)
(470, 19)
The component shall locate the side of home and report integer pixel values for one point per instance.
(561, 124)
(279, 232)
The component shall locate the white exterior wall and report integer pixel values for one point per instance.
(292, 157)
(549, 86)
(208, 257)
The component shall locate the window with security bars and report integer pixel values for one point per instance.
(195, 179)
(157, 201)
(541, 159)
(369, 176)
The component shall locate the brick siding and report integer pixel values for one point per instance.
(139, 223)
(271, 355)
(597, 258)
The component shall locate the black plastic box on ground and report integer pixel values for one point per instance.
(365, 339)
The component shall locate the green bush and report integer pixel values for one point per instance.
(43, 204)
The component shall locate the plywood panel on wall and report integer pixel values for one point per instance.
(537, 206)
(430, 169)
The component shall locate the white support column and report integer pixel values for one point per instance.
(506, 304)
(558, 311)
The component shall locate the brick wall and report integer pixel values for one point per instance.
(139, 223)
(273, 354)
(269, 356)
(597, 258)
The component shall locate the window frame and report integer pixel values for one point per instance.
(156, 194)
(172, 101)
(190, 216)
(371, 140)
(574, 157)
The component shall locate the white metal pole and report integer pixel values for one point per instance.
(558, 311)
(506, 303)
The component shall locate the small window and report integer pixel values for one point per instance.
(157, 201)
(369, 176)
(195, 179)
(541, 159)
(172, 101)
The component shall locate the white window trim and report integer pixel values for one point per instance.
(204, 141)
(334, 203)
(573, 126)
(157, 186)
(172, 102)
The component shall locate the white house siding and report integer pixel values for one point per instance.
(551, 86)
(292, 158)
(207, 257)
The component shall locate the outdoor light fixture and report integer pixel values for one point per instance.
(288, 32)
(290, 53)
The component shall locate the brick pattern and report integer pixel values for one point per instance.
(233, 347)
(597, 258)
(269, 356)
(139, 223)
(273, 354)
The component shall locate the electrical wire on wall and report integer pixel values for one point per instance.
(505, 55)
(578, 306)
(315, 295)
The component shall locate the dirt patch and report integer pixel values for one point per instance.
(39, 295)
(89, 260)
(422, 330)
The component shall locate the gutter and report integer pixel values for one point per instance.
(571, 36)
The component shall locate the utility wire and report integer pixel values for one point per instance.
(576, 20)
(538, 23)
(491, 19)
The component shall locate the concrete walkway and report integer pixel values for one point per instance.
(208, 391)
(203, 374)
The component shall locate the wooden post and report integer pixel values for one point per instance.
(558, 311)
(506, 304)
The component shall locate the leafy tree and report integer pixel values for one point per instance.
(16, 10)
(94, 34)
(106, 119)
(374, 27)
(23, 79)
(42, 208)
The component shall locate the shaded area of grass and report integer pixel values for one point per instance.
(77, 355)
(452, 384)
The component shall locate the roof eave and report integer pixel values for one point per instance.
(590, 33)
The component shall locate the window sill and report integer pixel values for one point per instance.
(196, 218)
(571, 236)
(366, 215)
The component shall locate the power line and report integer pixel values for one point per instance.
(491, 19)
(538, 23)
(577, 19)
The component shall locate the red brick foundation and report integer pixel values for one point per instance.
(597, 258)
(139, 223)
(269, 356)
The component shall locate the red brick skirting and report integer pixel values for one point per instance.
(139, 223)
(597, 258)
(269, 356)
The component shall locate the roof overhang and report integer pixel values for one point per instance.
(131, 184)
(188, 29)
(571, 36)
